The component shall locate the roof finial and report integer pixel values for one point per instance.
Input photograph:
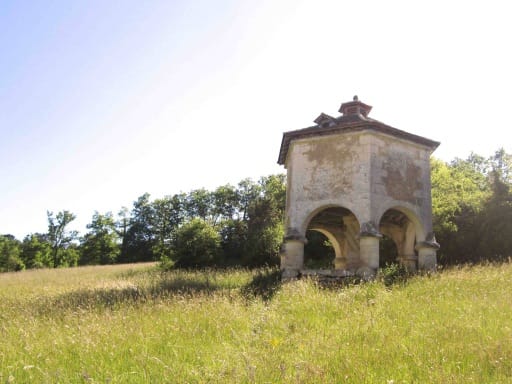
(355, 107)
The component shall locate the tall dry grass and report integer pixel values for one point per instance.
(133, 324)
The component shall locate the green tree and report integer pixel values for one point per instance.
(198, 204)
(36, 251)
(501, 167)
(197, 244)
(459, 190)
(100, 244)
(139, 241)
(10, 250)
(471, 201)
(224, 203)
(61, 238)
(233, 235)
(69, 256)
(455, 186)
(122, 227)
(247, 191)
(495, 220)
(265, 225)
(169, 213)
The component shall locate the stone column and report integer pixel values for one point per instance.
(409, 262)
(351, 233)
(338, 243)
(427, 253)
(292, 254)
(340, 262)
(408, 259)
(369, 239)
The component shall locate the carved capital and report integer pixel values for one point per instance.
(294, 235)
(430, 242)
(369, 229)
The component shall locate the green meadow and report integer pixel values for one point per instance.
(137, 324)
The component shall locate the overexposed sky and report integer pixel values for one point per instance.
(101, 101)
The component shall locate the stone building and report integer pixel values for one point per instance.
(354, 179)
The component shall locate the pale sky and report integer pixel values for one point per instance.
(101, 101)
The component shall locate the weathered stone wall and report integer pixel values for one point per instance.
(365, 172)
(400, 178)
(327, 171)
(356, 179)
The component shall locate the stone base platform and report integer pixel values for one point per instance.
(334, 276)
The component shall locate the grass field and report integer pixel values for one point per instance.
(135, 324)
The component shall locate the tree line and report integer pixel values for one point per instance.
(472, 208)
(229, 226)
(243, 225)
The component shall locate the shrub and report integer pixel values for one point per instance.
(393, 274)
(10, 254)
(197, 245)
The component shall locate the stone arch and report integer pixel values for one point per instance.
(325, 259)
(411, 213)
(388, 250)
(341, 226)
(306, 220)
(403, 226)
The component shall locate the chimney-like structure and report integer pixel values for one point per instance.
(355, 107)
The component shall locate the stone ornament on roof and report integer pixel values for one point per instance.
(355, 107)
(354, 118)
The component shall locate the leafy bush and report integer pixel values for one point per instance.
(10, 254)
(197, 245)
(393, 274)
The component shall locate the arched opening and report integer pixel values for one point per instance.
(400, 230)
(318, 252)
(332, 239)
(388, 252)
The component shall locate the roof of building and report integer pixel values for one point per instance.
(354, 119)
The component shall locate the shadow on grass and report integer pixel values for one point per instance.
(160, 286)
(113, 297)
(92, 298)
(185, 286)
(264, 285)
